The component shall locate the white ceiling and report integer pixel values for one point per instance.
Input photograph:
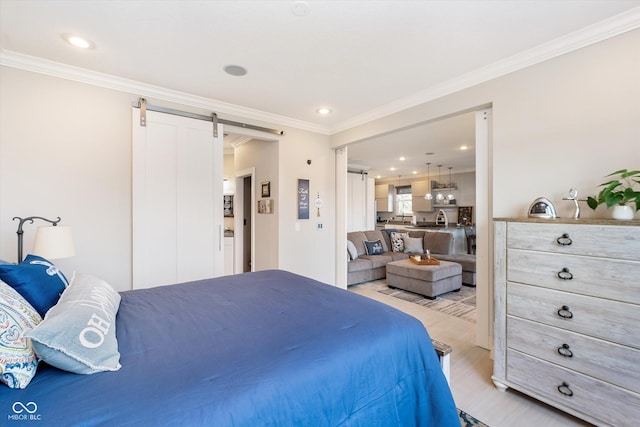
(362, 59)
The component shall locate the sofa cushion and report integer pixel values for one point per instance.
(379, 235)
(378, 261)
(438, 242)
(359, 264)
(358, 238)
(467, 261)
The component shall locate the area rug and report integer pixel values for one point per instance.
(467, 420)
(461, 304)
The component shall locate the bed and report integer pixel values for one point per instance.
(266, 348)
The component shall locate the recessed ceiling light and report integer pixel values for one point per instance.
(464, 147)
(78, 41)
(323, 111)
(402, 158)
(392, 169)
(235, 70)
(415, 172)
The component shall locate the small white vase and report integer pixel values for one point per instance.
(622, 212)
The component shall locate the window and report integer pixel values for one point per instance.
(403, 201)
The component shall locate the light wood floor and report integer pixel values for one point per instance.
(471, 369)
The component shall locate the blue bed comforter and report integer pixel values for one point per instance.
(267, 348)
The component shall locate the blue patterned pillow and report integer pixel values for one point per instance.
(37, 280)
(374, 248)
(18, 362)
(79, 333)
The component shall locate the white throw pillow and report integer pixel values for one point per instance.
(351, 248)
(413, 245)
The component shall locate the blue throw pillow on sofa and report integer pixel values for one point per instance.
(374, 248)
(37, 280)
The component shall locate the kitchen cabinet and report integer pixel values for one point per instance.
(384, 197)
(418, 202)
(567, 308)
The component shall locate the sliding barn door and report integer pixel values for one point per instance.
(177, 200)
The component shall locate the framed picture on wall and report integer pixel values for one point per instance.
(465, 215)
(303, 199)
(266, 189)
(227, 204)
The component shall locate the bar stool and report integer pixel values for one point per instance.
(470, 234)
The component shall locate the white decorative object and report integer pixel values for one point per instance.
(624, 212)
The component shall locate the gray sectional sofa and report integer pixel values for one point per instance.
(365, 268)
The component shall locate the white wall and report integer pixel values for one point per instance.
(563, 123)
(303, 248)
(65, 150)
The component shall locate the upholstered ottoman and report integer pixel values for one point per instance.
(427, 280)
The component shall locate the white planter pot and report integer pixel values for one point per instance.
(622, 212)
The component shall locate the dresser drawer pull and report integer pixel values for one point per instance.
(564, 351)
(565, 312)
(565, 274)
(564, 240)
(564, 389)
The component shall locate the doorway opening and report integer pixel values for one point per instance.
(244, 229)
(481, 130)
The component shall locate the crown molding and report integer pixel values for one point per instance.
(600, 31)
(614, 26)
(82, 75)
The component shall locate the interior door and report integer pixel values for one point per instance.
(177, 200)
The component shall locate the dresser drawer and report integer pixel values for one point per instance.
(581, 239)
(597, 317)
(600, 359)
(608, 403)
(606, 278)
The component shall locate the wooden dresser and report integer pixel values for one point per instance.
(567, 315)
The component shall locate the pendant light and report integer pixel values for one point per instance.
(439, 196)
(450, 195)
(428, 196)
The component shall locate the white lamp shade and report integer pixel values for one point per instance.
(54, 242)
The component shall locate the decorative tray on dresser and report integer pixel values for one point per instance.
(567, 315)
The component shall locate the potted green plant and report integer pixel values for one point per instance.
(619, 193)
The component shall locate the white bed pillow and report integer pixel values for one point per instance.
(18, 362)
(78, 334)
